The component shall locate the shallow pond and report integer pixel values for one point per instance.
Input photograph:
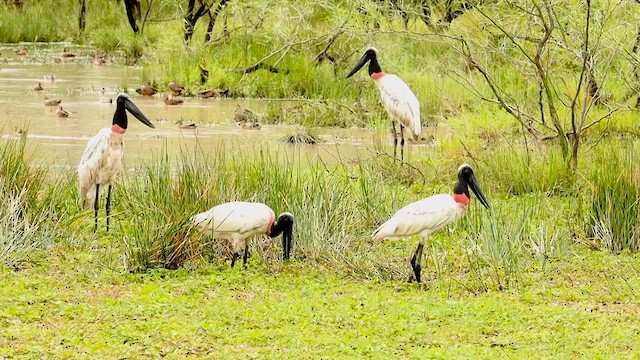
(78, 82)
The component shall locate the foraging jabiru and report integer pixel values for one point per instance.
(102, 159)
(397, 98)
(429, 215)
(239, 221)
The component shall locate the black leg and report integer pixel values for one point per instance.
(246, 254)
(108, 206)
(415, 262)
(284, 247)
(402, 143)
(395, 138)
(234, 258)
(95, 207)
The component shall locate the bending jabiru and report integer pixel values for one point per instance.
(429, 215)
(239, 221)
(398, 100)
(102, 159)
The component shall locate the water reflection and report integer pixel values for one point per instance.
(79, 83)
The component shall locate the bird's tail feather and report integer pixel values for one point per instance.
(416, 130)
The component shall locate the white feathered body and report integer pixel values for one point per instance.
(422, 217)
(400, 103)
(237, 221)
(101, 164)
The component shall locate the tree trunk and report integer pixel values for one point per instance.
(133, 13)
(193, 16)
(426, 13)
(213, 16)
(82, 15)
(452, 14)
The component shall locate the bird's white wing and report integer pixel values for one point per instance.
(428, 215)
(90, 165)
(400, 102)
(236, 217)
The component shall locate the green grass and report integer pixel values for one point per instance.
(524, 279)
(71, 307)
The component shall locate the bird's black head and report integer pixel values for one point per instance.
(466, 180)
(370, 56)
(286, 221)
(124, 102)
(284, 225)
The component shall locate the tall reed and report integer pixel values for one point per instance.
(614, 217)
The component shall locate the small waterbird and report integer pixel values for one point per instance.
(249, 125)
(99, 59)
(240, 221)
(52, 102)
(102, 159)
(242, 115)
(50, 78)
(401, 104)
(102, 94)
(61, 112)
(172, 101)
(204, 74)
(186, 125)
(209, 93)
(37, 87)
(175, 88)
(146, 90)
(429, 215)
(22, 51)
(66, 54)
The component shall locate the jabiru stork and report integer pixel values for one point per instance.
(239, 221)
(429, 215)
(397, 98)
(102, 159)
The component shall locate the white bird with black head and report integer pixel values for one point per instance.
(429, 215)
(102, 159)
(397, 98)
(240, 221)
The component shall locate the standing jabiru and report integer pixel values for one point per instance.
(398, 100)
(102, 159)
(429, 215)
(239, 221)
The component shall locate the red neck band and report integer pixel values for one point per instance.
(117, 129)
(461, 199)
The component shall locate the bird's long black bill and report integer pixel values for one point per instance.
(133, 110)
(363, 60)
(473, 184)
(286, 244)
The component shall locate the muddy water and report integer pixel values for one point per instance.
(77, 82)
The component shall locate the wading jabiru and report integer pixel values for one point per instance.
(429, 215)
(102, 159)
(398, 100)
(240, 221)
